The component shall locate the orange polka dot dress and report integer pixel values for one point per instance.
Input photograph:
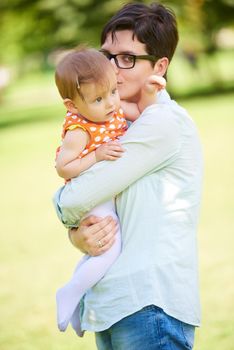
(98, 133)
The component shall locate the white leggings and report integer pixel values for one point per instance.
(87, 273)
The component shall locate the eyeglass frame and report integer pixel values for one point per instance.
(151, 58)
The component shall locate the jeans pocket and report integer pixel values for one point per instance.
(188, 332)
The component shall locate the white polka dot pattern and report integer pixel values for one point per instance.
(98, 133)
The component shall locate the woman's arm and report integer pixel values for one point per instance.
(150, 143)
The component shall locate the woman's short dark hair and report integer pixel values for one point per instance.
(153, 25)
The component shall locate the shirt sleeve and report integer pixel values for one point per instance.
(150, 143)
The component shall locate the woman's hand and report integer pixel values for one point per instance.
(95, 235)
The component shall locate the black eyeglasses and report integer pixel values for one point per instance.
(127, 60)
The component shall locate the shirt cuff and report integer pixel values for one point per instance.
(59, 212)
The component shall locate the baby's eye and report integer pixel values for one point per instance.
(99, 99)
(114, 91)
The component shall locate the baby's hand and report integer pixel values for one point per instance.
(111, 150)
(154, 83)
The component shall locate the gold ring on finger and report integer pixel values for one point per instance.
(99, 243)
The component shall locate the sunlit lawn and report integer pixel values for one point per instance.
(36, 256)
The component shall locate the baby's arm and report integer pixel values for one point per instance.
(153, 84)
(68, 165)
(131, 110)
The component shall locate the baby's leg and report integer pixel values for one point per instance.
(86, 275)
(92, 274)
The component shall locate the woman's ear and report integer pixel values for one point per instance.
(160, 67)
(70, 106)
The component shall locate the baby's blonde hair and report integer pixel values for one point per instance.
(82, 65)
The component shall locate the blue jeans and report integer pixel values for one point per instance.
(150, 329)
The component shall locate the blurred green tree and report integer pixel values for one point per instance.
(200, 21)
(34, 28)
(37, 27)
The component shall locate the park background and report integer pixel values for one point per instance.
(36, 256)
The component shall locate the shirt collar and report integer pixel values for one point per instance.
(163, 97)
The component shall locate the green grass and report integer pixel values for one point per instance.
(36, 256)
(214, 117)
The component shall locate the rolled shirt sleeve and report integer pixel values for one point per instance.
(150, 143)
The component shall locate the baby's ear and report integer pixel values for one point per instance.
(70, 106)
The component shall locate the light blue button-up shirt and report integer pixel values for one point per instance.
(157, 185)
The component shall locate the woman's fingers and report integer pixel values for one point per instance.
(103, 236)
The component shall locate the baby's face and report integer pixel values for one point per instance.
(100, 100)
